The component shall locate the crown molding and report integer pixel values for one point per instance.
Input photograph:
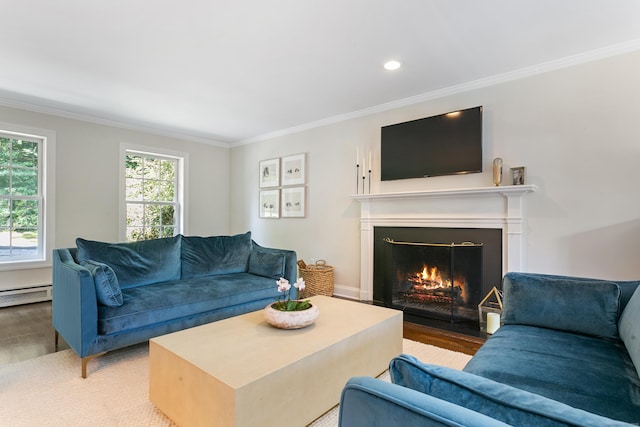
(5, 102)
(557, 64)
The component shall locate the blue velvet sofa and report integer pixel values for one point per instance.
(112, 295)
(568, 354)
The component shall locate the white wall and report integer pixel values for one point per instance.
(575, 130)
(86, 175)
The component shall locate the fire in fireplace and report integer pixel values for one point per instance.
(442, 280)
(429, 287)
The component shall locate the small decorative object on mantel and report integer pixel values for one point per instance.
(290, 314)
(518, 175)
(489, 311)
(365, 171)
(497, 171)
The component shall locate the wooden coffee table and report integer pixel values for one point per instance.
(243, 372)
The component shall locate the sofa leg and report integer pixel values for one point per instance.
(86, 360)
(56, 337)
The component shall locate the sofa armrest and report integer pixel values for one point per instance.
(500, 401)
(74, 303)
(578, 305)
(370, 402)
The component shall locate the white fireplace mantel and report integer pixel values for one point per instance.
(482, 207)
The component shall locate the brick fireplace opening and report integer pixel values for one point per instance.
(437, 276)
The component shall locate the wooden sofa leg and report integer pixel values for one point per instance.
(86, 360)
(56, 338)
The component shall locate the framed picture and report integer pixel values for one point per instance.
(293, 170)
(269, 203)
(270, 173)
(518, 175)
(293, 203)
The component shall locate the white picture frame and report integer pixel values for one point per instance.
(269, 204)
(294, 170)
(269, 173)
(293, 202)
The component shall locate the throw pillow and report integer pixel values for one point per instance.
(583, 306)
(629, 327)
(266, 264)
(136, 263)
(107, 288)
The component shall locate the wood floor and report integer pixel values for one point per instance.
(26, 333)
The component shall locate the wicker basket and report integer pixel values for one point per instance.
(318, 278)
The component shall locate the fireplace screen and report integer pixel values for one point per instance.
(436, 280)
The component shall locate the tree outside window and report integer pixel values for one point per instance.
(20, 198)
(151, 196)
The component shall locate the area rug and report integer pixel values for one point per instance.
(48, 390)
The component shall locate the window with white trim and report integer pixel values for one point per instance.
(152, 183)
(21, 198)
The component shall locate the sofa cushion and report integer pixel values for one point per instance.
(576, 305)
(585, 372)
(500, 401)
(204, 256)
(107, 288)
(165, 302)
(136, 263)
(629, 327)
(267, 264)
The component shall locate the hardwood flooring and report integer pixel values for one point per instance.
(26, 332)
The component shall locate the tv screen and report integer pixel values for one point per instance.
(447, 144)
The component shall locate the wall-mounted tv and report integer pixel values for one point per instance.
(446, 144)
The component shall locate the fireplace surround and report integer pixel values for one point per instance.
(499, 207)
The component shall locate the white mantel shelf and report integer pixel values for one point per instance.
(507, 190)
(481, 207)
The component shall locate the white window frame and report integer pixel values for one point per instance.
(182, 159)
(46, 177)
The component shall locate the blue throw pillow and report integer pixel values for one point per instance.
(107, 288)
(629, 327)
(206, 256)
(583, 306)
(136, 263)
(266, 264)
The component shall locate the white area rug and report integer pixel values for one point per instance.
(48, 390)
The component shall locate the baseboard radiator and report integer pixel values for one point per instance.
(25, 295)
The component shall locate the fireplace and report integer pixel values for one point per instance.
(432, 281)
(435, 279)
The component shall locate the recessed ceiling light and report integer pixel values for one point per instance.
(392, 65)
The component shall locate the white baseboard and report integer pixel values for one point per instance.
(346, 292)
(25, 295)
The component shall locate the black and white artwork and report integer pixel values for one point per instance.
(269, 173)
(518, 175)
(293, 203)
(269, 203)
(293, 170)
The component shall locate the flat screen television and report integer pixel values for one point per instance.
(446, 144)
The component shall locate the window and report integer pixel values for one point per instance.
(22, 191)
(152, 196)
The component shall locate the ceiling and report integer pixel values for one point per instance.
(237, 71)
